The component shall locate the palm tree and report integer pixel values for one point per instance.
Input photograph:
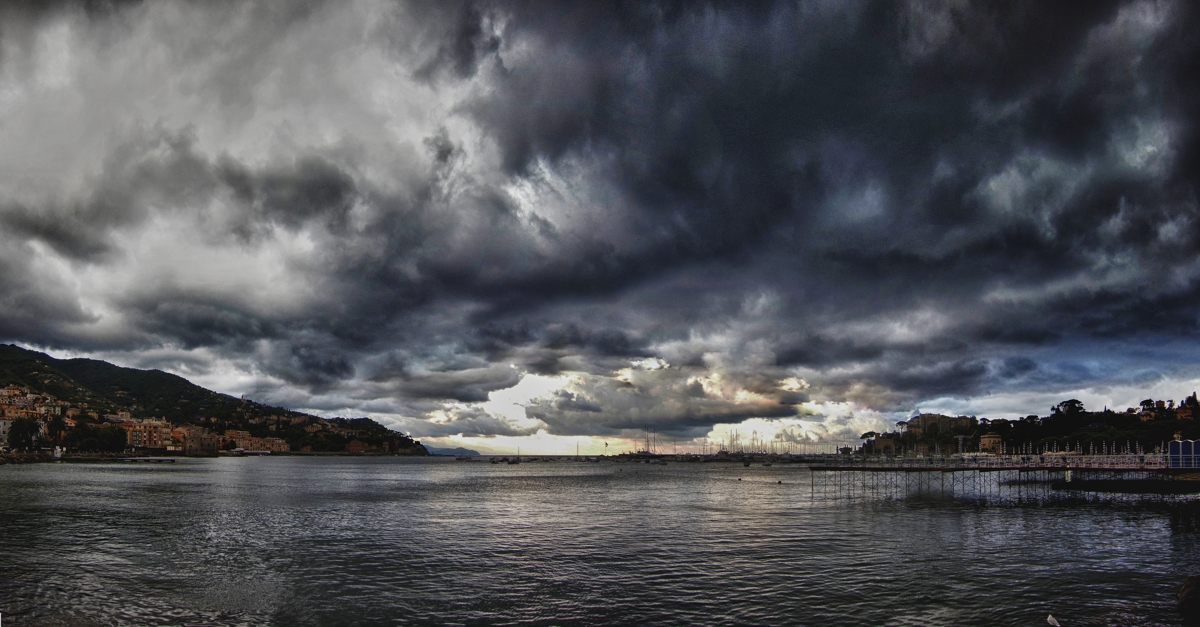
(56, 429)
(22, 434)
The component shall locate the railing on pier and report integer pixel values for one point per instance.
(996, 477)
(1148, 461)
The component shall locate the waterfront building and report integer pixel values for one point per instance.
(201, 445)
(245, 441)
(884, 444)
(147, 433)
(195, 441)
(276, 445)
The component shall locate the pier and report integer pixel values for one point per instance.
(1003, 478)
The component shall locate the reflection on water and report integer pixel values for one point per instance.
(359, 541)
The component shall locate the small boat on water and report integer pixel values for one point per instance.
(517, 459)
(766, 463)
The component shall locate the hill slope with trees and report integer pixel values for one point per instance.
(106, 389)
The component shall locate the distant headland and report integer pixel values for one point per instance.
(457, 451)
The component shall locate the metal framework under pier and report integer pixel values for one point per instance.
(1030, 478)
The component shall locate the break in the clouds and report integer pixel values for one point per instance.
(528, 219)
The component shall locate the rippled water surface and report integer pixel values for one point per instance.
(360, 541)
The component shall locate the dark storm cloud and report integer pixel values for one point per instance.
(474, 423)
(552, 347)
(566, 401)
(36, 306)
(671, 408)
(461, 385)
(465, 46)
(313, 187)
(418, 204)
(154, 168)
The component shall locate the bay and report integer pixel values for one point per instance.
(394, 541)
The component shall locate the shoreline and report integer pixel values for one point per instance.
(45, 457)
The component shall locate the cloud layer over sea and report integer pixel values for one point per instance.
(494, 222)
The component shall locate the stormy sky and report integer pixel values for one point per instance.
(537, 224)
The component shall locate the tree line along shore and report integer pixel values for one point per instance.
(1069, 427)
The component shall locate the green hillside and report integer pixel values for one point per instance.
(106, 388)
(99, 386)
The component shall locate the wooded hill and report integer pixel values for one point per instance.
(94, 385)
(1068, 427)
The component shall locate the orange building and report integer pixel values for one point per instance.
(990, 443)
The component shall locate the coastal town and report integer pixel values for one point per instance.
(32, 421)
(88, 407)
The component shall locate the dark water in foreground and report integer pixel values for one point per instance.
(354, 541)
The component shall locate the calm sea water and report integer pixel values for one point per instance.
(359, 541)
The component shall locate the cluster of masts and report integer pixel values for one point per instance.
(757, 446)
(736, 444)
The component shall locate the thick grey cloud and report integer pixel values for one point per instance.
(404, 208)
